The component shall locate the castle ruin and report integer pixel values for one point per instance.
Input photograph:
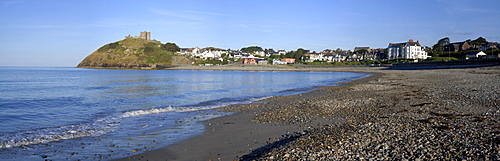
(144, 35)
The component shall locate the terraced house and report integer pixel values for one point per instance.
(407, 50)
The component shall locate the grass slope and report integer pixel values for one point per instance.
(129, 53)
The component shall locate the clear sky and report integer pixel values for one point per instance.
(64, 32)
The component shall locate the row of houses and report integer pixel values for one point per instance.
(404, 50)
(464, 46)
(246, 58)
(203, 53)
(218, 53)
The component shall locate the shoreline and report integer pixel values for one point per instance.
(245, 135)
(325, 123)
(242, 67)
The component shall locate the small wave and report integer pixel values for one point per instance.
(207, 106)
(136, 113)
(96, 128)
(147, 112)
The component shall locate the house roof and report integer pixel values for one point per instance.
(396, 44)
(361, 48)
(410, 43)
(414, 43)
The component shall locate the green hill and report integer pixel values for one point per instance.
(132, 53)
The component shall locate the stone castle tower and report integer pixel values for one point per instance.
(144, 35)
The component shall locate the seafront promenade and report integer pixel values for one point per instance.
(445, 114)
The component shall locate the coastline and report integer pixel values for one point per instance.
(242, 67)
(350, 120)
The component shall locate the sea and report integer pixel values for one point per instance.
(65, 113)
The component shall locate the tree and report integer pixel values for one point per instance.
(480, 40)
(212, 48)
(269, 51)
(439, 46)
(251, 49)
(492, 51)
(475, 43)
(297, 54)
(171, 47)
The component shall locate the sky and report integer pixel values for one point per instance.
(63, 32)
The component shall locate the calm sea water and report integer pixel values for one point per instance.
(98, 114)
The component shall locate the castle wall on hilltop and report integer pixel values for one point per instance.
(144, 35)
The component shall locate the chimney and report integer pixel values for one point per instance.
(411, 40)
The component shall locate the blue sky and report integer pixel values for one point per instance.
(64, 32)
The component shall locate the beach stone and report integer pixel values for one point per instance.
(442, 114)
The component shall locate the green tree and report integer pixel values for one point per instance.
(479, 40)
(269, 51)
(212, 48)
(171, 47)
(251, 49)
(439, 46)
(475, 43)
(298, 55)
(493, 51)
(276, 56)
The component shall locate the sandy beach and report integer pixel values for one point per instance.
(445, 114)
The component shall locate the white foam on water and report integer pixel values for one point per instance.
(39, 136)
(136, 113)
(96, 128)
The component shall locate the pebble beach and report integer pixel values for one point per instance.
(432, 114)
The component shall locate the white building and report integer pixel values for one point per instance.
(282, 52)
(339, 57)
(259, 53)
(317, 56)
(278, 62)
(328, 57)
(407, 50)
(211, 54)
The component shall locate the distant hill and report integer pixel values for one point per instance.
(132, 53)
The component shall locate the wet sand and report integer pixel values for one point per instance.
(393, 114)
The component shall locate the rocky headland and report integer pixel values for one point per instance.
(133, 53)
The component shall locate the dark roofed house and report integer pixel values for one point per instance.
(489, 45)
(457, 46)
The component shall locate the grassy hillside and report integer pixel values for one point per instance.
(130, 53)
